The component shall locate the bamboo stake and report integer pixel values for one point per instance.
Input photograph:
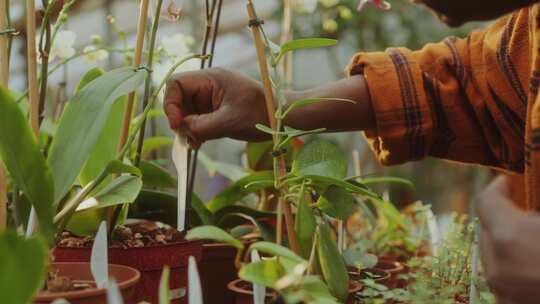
(4, 56)
(33, 97)
(271, 109)
(137, 58)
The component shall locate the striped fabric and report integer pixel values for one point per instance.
(472, 100)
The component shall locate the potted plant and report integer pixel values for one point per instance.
(51, 184)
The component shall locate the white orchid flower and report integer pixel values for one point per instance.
(170, 9)
(94, 54)
(62, 46)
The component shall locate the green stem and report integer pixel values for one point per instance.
(45, 44)
(148, 83)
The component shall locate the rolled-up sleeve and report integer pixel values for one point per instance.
(460, 99)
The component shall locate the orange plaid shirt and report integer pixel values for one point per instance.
(472, 100)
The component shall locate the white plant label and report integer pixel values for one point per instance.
(32, 223)
(433, 228)
(180, 153)
(259, 292)
(113, 293)
(99, 259)
(194, 283)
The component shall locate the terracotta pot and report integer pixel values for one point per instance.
(126, 278)
(395, 269)
(244, 293)
(150, 262)
(217, 270)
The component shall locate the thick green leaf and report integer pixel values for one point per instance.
(321, 157)
(306, 43)
(122, 190)
(118, 167)
(265, 273)
(386, 180)
(205, 216)
(215, 234)
(82, 123)
(88, 77)
(306, 225)
(323, 182)
(155, 143)
(337, 202)
(106, 146)
(332, 265)
(317, 290)
(277, 250)
(23, 267)
(164, 293)
(155, 176)
(25, 162)
(238, 190)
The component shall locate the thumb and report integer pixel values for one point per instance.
(205, 127)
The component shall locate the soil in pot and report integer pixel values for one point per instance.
(146, 247)
(217, 270)
(244, 292)
(74, 282)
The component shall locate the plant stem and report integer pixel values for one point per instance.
(287, 35)
(279, 162)
(210, 13)
(31, 55)
(137, 58)
(44, 50)
(148, 82)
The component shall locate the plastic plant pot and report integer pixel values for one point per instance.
(244, 292)
(149, 261)
(126, 278)
(217, 270)
(394, 268)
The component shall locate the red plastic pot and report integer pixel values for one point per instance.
(244, 293)
(126, 278)
(217, 270)
(150, 262)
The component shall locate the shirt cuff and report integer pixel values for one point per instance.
(403, 117)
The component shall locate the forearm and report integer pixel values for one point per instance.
(335, 116)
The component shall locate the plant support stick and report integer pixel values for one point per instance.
(270, 108)
(137, 58)
(4, 57)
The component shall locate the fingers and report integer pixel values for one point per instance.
(187, 94)
(205, 127)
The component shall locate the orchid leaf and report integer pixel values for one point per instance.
(306, 43)
(321, 157)
(265, 272)
(82, 124)
(215, 234)
(333, 266)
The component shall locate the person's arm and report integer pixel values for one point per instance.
(457, 12)
(461, 99)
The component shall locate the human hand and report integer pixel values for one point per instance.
(509, 245)
(215, 103)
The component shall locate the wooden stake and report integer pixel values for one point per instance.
(4, 57)
(271, 109)
(33, 97)
(137, 59)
